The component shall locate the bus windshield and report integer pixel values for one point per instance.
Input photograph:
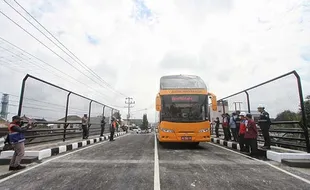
(184, 108)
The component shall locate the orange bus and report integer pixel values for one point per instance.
(182, 106)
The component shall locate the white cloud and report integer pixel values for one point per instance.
(230, 44)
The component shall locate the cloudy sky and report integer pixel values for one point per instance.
(130, 44)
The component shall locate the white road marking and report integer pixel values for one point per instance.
(57, 157)
(106, 161)
(156, 167)
(273, 166)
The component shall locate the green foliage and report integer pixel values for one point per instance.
(288, 115)
(145, 122)
(117, 115)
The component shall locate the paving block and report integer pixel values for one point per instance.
(25, 160)
(299, 163)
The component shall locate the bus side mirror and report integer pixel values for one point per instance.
(213, 101)
(158, 103)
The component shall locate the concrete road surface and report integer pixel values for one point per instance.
(128, 163)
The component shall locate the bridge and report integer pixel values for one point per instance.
(57, 157)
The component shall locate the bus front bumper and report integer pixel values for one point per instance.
(182, 137)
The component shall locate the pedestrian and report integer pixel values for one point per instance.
(264, 124)
(85, 126)
(102, 125)
(112, 129)
(233, 126)
(17, 140)
(251, 135)
(217, 126)
(238, 122)
(225, 126)
(242, 143)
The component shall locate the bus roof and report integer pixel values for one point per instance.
(181, 82)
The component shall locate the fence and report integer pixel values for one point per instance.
(288, 128)
(57, 112)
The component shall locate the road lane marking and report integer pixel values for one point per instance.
(261, 161)
(156, 167)
(87, 161)
(57, 157)
(207, 162)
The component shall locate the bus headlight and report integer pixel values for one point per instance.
(203, 130)
(167, 130)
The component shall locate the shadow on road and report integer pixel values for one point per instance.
(181, 146)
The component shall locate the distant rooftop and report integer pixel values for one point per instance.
(71, 118)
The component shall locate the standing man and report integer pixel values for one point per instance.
(112, 128)
(250, 135)
(217, 126)
(233, 126)
(238, 120)
(17, 139)
(102, 125)
(264, 124)
(85, 126)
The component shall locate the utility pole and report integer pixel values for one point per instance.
(129, 101)
(239, 103)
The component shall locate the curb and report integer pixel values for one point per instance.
(278, 157)
(235, 146)
(229, 144)
(45, 153)
(269, 154)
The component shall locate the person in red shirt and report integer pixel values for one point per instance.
(112, 128)
(225, 126)
(242, 143)
(251, 134)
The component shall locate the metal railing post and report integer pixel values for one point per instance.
(103, 110)
(223, 107)
(21, 99)
(248, 101)
(66, 116)
(303, 111)
(89, 112)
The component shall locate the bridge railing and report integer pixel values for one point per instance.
(284, 101)
(37, 135)
(292, 138)
(57, 112)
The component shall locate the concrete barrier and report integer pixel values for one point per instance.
(282, 154)
(41, 154)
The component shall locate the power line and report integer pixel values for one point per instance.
(67, 48)
(55, 105)
(21, 50)
(80, 62)
(77, 110)
(48, 48)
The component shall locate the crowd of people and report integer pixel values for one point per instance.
(241, 127)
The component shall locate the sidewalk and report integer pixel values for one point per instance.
(36, 153)
(277, 154)
(50, 149)
(58, 143)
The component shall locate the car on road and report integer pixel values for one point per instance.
(137, 130)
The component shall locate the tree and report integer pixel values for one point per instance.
(145, 122)
(117, 115)
(287, 115)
